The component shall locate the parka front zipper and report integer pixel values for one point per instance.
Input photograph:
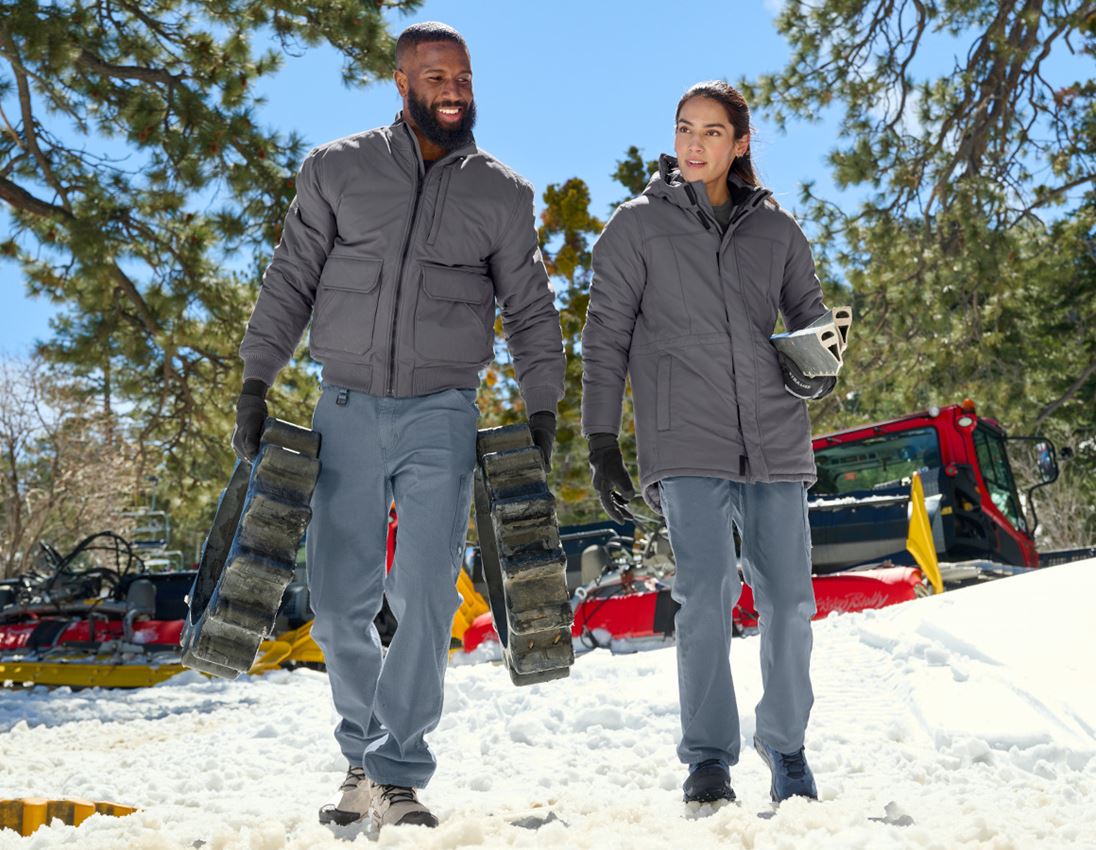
(724, 237)
(420, 186)
(732, 225)
(419, 183)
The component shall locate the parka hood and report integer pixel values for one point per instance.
(668, 183)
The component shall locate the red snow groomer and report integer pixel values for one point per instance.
(901, 509)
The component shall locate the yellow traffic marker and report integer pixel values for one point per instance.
(919, 540)
(26, 814)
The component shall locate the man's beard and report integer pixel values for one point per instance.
(427, 121)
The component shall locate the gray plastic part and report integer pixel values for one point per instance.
(818, 349)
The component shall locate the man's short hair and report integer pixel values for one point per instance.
(417, 34)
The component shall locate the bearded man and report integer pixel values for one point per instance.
(398, 247)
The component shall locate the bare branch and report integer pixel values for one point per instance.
(1049, 409)
(20, 198)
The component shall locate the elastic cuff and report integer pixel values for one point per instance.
(262, 369)
(540, 399)
(255, 387)
(601, 441)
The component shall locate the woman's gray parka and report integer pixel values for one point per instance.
(686, 313)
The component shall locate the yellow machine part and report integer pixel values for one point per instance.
(293, 647)
(27, 814)
(919, 540)
(472, 606)
(86, 672)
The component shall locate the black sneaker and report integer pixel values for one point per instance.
(792, 775)
(707, 782)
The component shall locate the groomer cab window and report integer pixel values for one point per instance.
(989, 446)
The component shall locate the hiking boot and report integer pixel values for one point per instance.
(394, 805)
(792, 775)
(353, 803)
(707, 782)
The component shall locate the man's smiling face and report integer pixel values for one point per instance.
(435, 81)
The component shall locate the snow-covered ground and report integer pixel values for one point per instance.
(964, 720)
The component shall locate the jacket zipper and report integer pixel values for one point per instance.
(744, 460)
(399, 282)
(725, 239)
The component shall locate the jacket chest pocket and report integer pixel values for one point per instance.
(759, 265)
(346, 305)
(454, 315)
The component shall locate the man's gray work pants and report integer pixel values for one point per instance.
(772, 523)
(421, 452)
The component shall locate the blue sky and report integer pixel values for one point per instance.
(562, 90)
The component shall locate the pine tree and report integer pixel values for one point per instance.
(970, 254)
(132, 118)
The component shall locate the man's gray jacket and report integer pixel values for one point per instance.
(686, 312)
(400, 269)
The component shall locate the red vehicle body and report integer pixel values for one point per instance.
(21, 634)
(646, 609)
(965, 468)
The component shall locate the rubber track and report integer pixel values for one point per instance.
(523, 560)
(249, 555)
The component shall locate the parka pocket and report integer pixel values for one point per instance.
(453, 318)
(346, 305)
(662, 393)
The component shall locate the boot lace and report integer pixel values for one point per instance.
(354, 776)
(393, 794)
(795, 765)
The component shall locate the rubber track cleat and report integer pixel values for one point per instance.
(249, 555)
(523, 560)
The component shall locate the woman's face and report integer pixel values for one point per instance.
(704, 141)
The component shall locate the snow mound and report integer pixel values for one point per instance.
(959, 721)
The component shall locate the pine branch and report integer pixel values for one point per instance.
(128, 72)
(30, 135)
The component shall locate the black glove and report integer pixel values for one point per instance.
(611, 480)
(250, 418)
(799, 385)
(543, 426)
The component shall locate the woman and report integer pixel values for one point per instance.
(688, 280)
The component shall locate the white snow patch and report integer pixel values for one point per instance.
(960, 721)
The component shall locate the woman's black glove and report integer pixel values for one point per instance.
(250, 418)
(543, 426)
(799, 385)
(611, 480)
